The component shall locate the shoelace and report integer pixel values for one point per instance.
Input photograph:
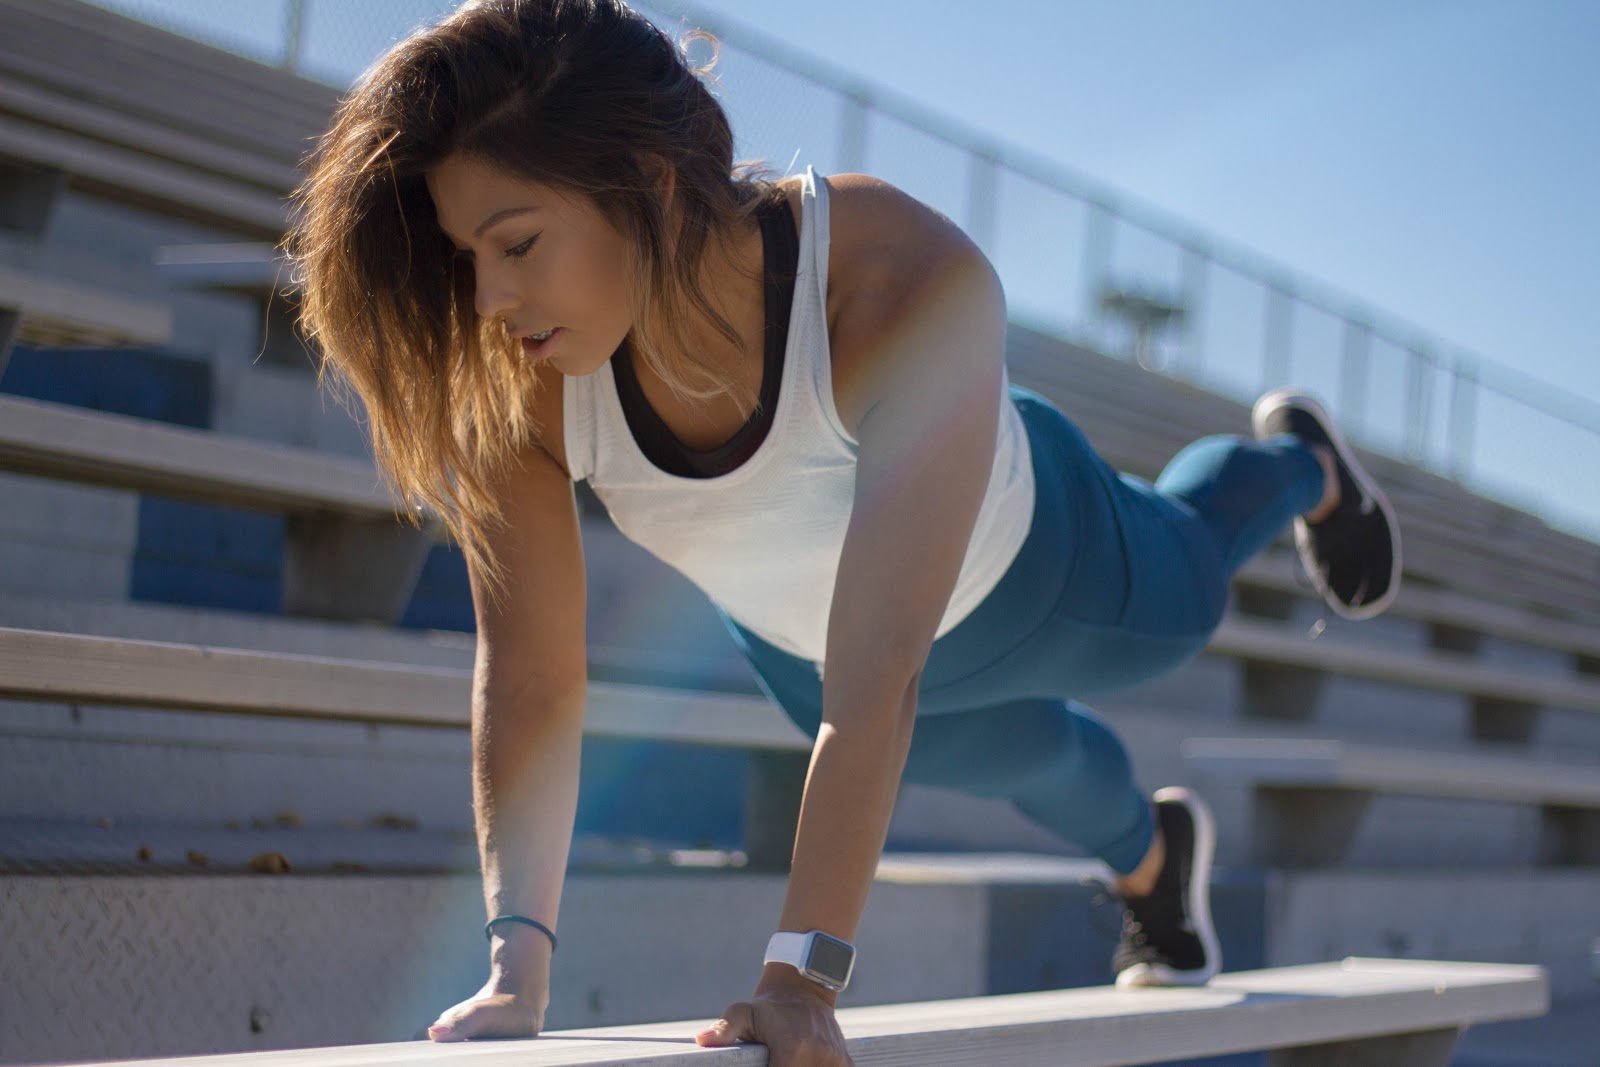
(1128, 934)
(1303, 580)
(1134, 944)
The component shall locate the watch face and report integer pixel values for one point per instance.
(831, 958)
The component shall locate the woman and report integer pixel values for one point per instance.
(525, 245)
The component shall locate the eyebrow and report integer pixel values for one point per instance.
(503, 213)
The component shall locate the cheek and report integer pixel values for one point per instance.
(599, 281)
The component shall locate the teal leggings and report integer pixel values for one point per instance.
(1118, 581)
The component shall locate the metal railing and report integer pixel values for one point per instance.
(1082, 260)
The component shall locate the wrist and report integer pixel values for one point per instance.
(783, 979)
(815, 956)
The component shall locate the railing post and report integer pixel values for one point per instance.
(295, 39)
(1097, 236)
(1196, 265)
(854, 108)
(1278, 334)
(1463, 418)
(1418, 381)
(1353, 372)
(982, 200)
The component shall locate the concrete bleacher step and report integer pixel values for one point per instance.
(110, 100)
(1309, 798)
(296, 960)
(1279, 570)
(59, 311)
(715, 670)
(388, 693)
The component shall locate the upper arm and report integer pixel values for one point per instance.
(531, 638)
(929, 314)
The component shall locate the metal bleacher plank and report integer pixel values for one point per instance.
(68, 309)
(1510, 580)
(126, 175)
(38, 665)
(1279, 571)
(1449, 672)
(1323, 1005)
(55, 440)
(1312, 763)
(42, 665)
(1558, 553)
(198, 151)
(139, 69)
(133, 95)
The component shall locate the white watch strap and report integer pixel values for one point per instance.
(785, 947)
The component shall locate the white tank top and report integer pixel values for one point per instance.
(763, 541)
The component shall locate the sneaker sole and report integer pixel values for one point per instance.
(1154, 975)
(1302, 536)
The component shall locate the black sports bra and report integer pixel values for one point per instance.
(780, 243)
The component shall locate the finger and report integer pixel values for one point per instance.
(736, 1024)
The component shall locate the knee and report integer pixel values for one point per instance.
(1198, 464)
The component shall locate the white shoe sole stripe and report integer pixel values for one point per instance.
(1198, 904)
(1277, 398)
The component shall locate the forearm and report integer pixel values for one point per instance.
(525, 793)
(844, 816)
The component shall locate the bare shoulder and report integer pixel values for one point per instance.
(894, 265)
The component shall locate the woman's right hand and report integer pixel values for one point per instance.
(494, 1011)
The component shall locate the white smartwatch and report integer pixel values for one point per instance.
(824, 959)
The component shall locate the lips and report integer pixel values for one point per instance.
(535, 349)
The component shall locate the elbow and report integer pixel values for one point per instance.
(873, 698)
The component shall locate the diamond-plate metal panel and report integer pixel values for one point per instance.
(138, 966)
(96, 968)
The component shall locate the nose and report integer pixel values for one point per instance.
(494, 296)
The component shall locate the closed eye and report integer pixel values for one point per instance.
(521, 250)
(514, 252)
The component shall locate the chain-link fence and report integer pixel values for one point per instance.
(1078, 259)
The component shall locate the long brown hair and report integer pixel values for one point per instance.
(584, 95)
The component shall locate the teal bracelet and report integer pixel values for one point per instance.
(488, 927)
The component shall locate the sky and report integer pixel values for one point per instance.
(1439, 159)
(1435, 159)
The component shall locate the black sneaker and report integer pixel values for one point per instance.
(1353, 556)
(1167, 937)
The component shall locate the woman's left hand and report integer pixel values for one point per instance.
(796, 1024)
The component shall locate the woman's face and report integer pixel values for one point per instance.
(543, 260)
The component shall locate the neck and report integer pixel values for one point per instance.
(730, 275)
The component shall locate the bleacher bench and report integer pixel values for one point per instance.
(1398, 1013)
(1309, 796)
(110, 102)
(341, 516)
(55, 311)
(346, 555)
(37, 665)
(57, 667)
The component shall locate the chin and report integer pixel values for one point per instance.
(571, 368)
(579, 365)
